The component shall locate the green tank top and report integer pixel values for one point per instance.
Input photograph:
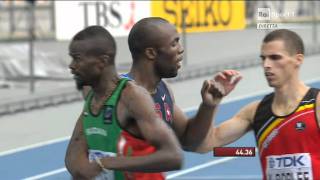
(102, 131)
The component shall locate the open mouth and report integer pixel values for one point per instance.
(268, 74)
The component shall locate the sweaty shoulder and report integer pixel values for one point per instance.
(133, 97)
(132, 90)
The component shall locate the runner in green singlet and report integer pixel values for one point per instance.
(112, 106)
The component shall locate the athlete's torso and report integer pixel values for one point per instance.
(133, 146)
(102, 131)
(289, 146)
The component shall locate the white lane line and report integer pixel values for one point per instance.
(180, 173)
(198, 167)
(50, 173)
(32, 146)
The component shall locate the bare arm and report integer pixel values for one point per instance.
(76, 159)
(192, 132)
(168, 156)
(230, 130)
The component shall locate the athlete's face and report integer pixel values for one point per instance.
(86, 69)
(280, 67)
(169, 52)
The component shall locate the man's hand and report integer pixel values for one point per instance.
(88, 170)
(221, 85)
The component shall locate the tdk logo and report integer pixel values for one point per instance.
(290, 161)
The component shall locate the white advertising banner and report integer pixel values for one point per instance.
(116, 16)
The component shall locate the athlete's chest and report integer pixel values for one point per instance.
(96, 106)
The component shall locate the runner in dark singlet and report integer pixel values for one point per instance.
(157, 54)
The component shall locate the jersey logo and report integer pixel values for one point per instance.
(300, 126)
(168, 112)
(107, 115)
(163, 97)
(96, 131)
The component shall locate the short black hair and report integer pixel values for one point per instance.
(105, 41)
(292, 40)
(142, 35)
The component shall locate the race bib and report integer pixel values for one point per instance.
(289, 166)
(106, 174)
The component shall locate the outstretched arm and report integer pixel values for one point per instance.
(230, 130)
(168, 156)
(193, 131)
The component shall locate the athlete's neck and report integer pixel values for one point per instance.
(288, 97)
(145, 77)
(106, 84)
